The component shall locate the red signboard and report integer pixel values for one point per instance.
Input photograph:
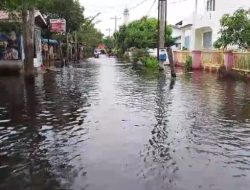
(58, 25)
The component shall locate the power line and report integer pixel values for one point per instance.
(139, 4)
(115, 18)
(109, 30)
(151, 7)
(149, 11)
(175, 2)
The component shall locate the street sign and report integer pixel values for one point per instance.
(58, 25)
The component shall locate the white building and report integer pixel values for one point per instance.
(126, 16)
(176, 34)
(201, 29)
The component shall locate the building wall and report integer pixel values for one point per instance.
(176, 32)
(204, 18)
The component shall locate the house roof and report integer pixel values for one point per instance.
(183, 24)
(39, 19)
(174, 26)
(186, 26)
(179, 23)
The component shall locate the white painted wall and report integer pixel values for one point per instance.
(204, 18)
(126, 17)
(176, 32)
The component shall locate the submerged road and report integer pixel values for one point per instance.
(104, 125)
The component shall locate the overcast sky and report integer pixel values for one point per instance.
(177, 10)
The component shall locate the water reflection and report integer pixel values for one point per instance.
(42, 124)
(159, 164)
(103, 125)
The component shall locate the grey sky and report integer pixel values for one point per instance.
(177, 9)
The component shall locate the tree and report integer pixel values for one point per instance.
(141, 33)
(235, 30)
(70, 10)
(109, 42)
(89, 36)
(26, 10)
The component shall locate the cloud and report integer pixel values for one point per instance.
(177, 10)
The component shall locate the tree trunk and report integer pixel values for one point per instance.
(171, 62)
(76, 48)
(61, 55)
(28, 17)
(67, 48)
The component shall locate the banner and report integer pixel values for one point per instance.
(58, 25)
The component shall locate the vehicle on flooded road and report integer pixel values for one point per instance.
(97, 53)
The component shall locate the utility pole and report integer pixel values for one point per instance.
(162, 25)
(109, 30)
(115, 18)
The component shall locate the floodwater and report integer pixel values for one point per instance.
(104, 125)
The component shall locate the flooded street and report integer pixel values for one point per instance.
(104, 125)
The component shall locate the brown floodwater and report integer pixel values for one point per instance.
(105, 125)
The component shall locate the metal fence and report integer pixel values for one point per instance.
(180, 57)
(212, 59)
(241, 61)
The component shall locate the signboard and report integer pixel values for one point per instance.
(58, 25)
(4, 15)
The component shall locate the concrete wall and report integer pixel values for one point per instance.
(211, 19)
(176, 32)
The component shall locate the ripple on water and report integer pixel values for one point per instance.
(177, 135)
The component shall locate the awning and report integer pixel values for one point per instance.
(51, 42)
(3, 37)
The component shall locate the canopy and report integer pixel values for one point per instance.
(51, 42)
(3, 37)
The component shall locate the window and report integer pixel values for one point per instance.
(207, 40)
(187, 42)
(210, 5)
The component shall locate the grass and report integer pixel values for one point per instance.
(188, 64)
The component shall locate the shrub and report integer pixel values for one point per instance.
(188, 64)
(150, 62)
(139, 55)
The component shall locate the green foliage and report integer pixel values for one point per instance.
(89, 36)
(150, 62)
(142, 55)
(109, 42)
(139, 55)
(188, 64)
(70, 10)
(235, 30)
(10, 26)
(141, 34)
